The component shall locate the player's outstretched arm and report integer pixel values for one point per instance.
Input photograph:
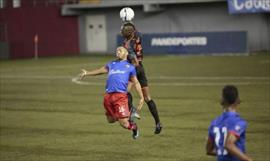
(102, 70)
(139, 90)
(210, 148)
(233, 149)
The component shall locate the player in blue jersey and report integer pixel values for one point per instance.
(120, 72)
(227, 133)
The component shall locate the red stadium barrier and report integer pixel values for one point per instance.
(57, 35)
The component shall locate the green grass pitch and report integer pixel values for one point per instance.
(44, 116)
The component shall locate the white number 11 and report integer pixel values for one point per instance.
(217, 139)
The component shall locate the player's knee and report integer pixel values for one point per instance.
(147, 99)
(111, 120)
(146, 94)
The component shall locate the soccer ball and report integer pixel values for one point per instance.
(127, 14)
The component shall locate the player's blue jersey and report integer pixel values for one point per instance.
(228, 122)
(119, 73)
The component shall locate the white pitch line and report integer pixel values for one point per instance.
(34, 77)
(77, 81)
(55, 67)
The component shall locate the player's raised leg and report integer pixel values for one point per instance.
(121, 111)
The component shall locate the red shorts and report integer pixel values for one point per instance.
(116, 105)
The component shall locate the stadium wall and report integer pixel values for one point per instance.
(57, 35)
(185, 18)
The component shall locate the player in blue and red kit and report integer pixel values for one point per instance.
(227, 133)
(120, 72)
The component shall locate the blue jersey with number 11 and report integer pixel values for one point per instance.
(228, 122)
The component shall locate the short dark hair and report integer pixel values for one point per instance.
(129, 24)
(229, 95)
(127, 29)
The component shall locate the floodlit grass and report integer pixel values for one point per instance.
(44, 116)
